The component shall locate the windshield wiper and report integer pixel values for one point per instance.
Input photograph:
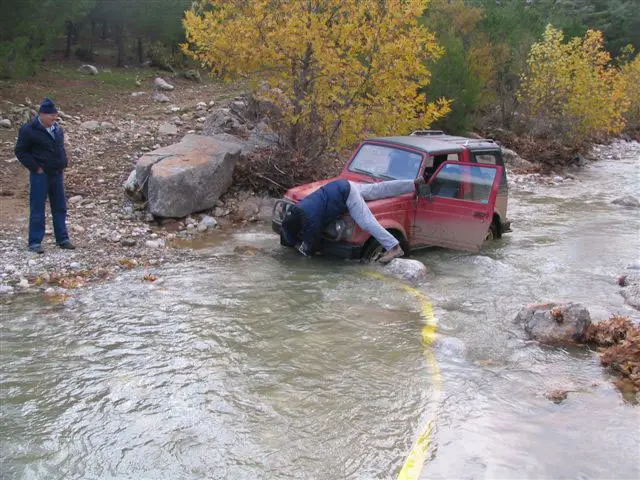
(371, 174)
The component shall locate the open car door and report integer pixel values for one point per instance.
(455, 208)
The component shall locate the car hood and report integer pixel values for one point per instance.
(298, 193)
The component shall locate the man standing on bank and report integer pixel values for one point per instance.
(40, 149)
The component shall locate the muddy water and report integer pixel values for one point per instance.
(275, 366)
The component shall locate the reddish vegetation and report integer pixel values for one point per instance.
(621, 352)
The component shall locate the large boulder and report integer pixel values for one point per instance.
(405, 269)
(188, 176)
(555, 324)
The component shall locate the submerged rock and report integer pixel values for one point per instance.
(405, 269)
(627, 201)
(246, 250)
(555, 324)
(557, 396)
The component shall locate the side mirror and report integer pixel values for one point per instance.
(425, 191)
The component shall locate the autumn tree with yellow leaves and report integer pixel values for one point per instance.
(573, 88)
(337, 69)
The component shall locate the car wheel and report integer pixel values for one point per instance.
(373, 250)
(493, 232)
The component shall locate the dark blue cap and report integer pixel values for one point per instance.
(47, 106)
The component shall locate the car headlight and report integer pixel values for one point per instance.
(340, 229)
(280, 209)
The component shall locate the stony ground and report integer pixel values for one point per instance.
(109, 120)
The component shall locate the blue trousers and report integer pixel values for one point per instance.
(51, 185)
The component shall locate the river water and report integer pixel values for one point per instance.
(276, 366)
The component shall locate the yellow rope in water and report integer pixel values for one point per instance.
(415, 461)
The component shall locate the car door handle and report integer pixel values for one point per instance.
(479, 214)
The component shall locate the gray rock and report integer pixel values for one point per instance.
(161, 98)
(188, 176)
(201, 228)
(167, 129)
(88, 69)
(6, 290)
(405, 269)
(512, 159)
(223, 120)
(91, 125)
(161, 84)
(555, 324)
(139, 94)
(76, 199)
(130, 185)
(128, 242)
(207, 222)
(627, 201)
(631, 289)
(578, 160)
(10, 269)
(154, 243)
(107, 126)
(75, 265)
(5, 123)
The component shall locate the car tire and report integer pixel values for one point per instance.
(494, 231)
(372, 249)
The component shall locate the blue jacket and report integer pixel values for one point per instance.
(323, 206)
(37, 148)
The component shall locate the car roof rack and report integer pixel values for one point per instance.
(425, 133)
(479, 140)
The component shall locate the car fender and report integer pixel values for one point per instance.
(391, 224)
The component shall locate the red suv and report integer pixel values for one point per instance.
(463, 203)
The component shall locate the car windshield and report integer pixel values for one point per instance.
(386, 162)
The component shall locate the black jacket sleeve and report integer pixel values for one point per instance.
(23, 150)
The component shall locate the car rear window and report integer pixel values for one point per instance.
(492, 158)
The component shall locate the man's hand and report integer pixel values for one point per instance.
(39, 170)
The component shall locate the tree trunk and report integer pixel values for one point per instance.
(67, 50)
(140, 51)
(93, 33)
(105, 29)
(76, 33)
(120, 44)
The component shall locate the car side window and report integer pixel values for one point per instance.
(434, 162)
(465, 182)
